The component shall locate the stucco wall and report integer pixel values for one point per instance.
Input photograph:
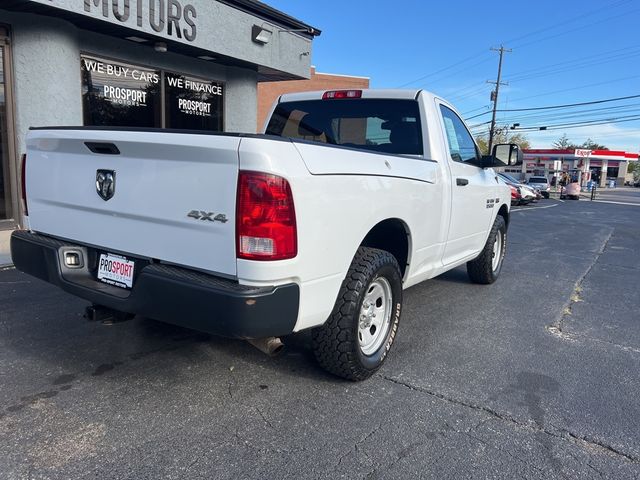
(46, 67)
(241, 107)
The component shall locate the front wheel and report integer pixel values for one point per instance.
(485, 268)
(355, 340)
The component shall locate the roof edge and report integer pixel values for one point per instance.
(268, 13)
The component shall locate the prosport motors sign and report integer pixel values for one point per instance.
(193, 97)
(171, 17)
(123, 80)
(117, 93)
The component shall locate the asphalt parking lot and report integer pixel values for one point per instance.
(536, 376)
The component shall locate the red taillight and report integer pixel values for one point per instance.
(514, 193)
(338, 94)
(23, 183)
(266, 218)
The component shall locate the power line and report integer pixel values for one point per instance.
(580, 87)
(571, 66)
(456, 72)
(571, 114)
(482, 90)
(581, 27)
(442, 69)
(566, 105)
(600, 121)
(476, 109)
(570, 20)
(533, 33)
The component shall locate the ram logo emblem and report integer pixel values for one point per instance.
(106, 184)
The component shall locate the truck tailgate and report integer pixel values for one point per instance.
(159, 177)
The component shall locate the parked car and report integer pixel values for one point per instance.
(537, 192)
(349, 198)
(516, 198)
(541, 183)
(527, 195)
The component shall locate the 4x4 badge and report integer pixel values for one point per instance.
(106, 183)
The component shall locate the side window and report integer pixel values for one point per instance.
(461, 144)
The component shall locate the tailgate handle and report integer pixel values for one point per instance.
(102, 148)
(461, 182)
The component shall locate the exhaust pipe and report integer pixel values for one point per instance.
(272, 346)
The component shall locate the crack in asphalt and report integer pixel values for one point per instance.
(561, 434)
(507, 452)
(355, 448)
(574, 337)
(577, 288)
(556, 328)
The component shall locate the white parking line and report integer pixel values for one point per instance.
(616, 203)
(526, 209)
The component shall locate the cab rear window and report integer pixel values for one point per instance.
(378, 125)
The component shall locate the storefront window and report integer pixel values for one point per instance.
(5, 191)
(124, 95)
(120, 95)
(192, 104)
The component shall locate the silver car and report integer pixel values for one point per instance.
(542, 184)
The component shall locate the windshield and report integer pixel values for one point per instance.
(509, 178)
(538, 180)
(379, 125)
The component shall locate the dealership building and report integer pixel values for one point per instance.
(176, 64)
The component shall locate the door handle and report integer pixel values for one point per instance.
(461, 182)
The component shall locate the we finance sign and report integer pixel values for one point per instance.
(170, 17)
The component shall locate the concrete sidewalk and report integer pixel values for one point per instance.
(5, 254)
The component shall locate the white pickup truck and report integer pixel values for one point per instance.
(349, 197)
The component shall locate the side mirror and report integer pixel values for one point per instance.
(507, 154)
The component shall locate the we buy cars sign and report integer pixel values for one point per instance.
(580, 152)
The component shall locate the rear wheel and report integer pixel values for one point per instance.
(356, 338)
(485, 268)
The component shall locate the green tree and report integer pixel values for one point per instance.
(634, 167)
(563, 143)
(502, 136)
(591, 145)
(481, 140)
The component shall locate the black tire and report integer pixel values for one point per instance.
(336, 344)
(481, 269)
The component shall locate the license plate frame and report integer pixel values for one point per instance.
(116, 270)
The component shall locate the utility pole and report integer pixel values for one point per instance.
(494, 94)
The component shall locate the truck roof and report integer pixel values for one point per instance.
(394, 93)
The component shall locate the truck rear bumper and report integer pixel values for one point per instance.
(164, 292)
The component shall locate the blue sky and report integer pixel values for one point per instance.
(564, 51)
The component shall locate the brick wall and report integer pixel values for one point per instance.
(268, 92)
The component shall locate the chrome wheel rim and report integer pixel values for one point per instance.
(497, 252)
(374, 319)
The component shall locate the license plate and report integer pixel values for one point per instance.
(115, 270)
